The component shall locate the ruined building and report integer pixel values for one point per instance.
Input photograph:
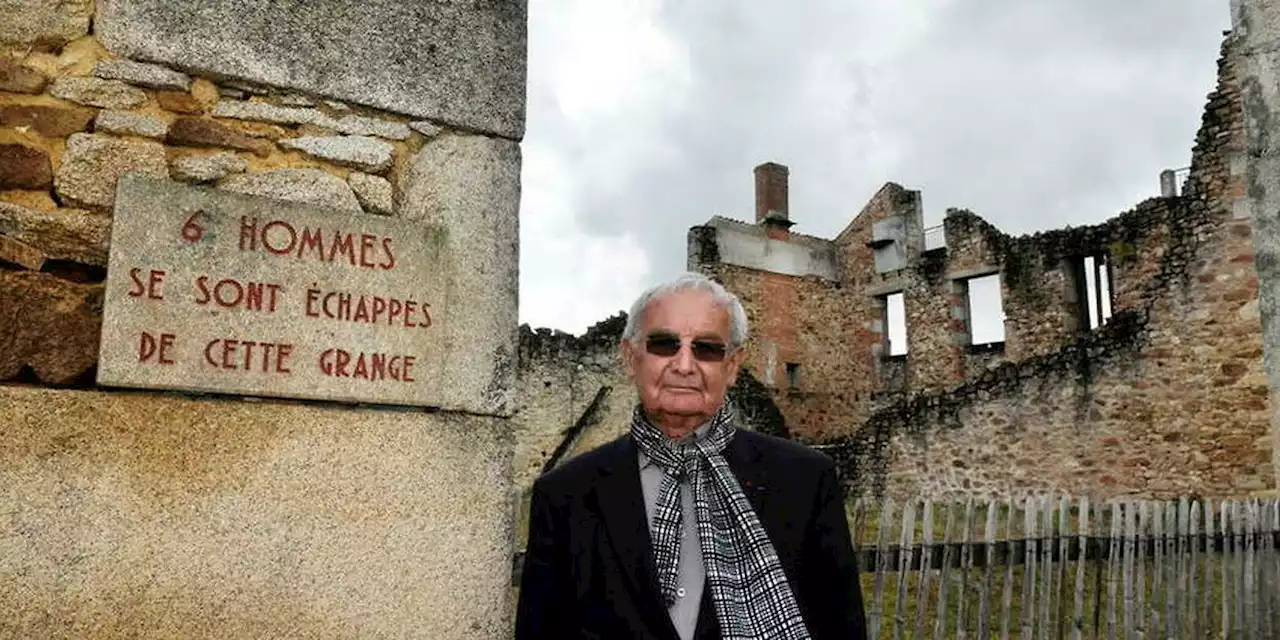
(1129, 360)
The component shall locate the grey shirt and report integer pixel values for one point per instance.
(684, 611)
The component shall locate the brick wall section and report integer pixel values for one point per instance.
(826, 401)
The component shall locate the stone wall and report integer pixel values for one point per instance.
(1165, 398)
(143, 513)
(1257, 24)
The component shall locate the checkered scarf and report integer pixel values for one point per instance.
(749, 591)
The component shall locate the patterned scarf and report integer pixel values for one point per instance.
(750, 593)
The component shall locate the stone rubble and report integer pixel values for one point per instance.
(23, 167)
(50, 122)
(425, 128)
(16, 78)
(358, 152)
(179, 102)
(374, 193)
(309, 185)
(197, 169)
(44, 23)
(132, 124)
(97, 92)
(66, 234)
(265, 112)
(141, 74)
(200, 132)
(362, 126)
(297, 100)
(58, 334)
(93, 163)
(21, 254)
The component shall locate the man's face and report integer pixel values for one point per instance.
(682, 364)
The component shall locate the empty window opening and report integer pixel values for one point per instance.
(1096, 290)
(793, 375)
(895, 321)
(985, 310)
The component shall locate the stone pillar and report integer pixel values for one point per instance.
(1257, 22)
(211, 503)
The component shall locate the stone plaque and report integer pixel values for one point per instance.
(214, 291)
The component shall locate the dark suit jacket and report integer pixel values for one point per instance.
(589, 573)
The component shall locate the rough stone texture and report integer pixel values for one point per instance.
(179, 102)
(43, 23)
(375, 194)
(465, 66)
(207, 168)
(66, 234)
(471, 186)
(1258, 23)
(362, 126)
(49, 325)
(205, 92)
(144, 75)
(21, 254)
(50, 122)
(357, 152)
(425, 128)
(132, 124)
(199, 132)
(296, 100)
(23, 167)
(16, 78)
(299, 185)
(267, 112)
(141, 514)
(93, 164)
(96, 92)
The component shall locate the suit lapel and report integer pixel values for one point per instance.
(620, 499)
(744, 460)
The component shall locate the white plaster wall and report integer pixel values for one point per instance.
(752, 249)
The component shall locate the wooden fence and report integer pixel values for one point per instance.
(1050, 568)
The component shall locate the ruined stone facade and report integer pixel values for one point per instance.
(1164, 397)
(1150, 385)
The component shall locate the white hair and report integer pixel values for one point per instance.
(686, 282)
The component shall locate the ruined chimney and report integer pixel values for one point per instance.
(771, 195)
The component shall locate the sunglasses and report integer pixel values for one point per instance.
(666, 345)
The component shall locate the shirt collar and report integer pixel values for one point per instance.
(698, 434)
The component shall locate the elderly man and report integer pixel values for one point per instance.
(689, 526)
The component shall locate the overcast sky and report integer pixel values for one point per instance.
(646, 117)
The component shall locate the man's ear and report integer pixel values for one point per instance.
(626, 351)
(734, 365)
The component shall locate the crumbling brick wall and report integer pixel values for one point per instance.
(1167, 397)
